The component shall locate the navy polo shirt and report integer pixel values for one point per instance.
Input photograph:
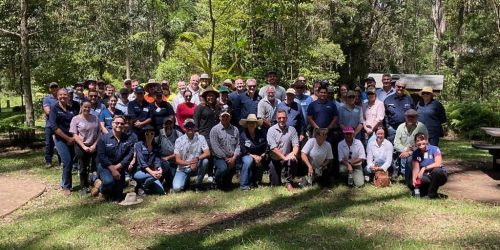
(48, 101)
(110, 151)
(294, 116)
(432, 116)
(395, 108)
(60, 119)
(159, 113)
(234, 98)
(322, 113)
(139, 111)
(248, 105)
(106, 117)
(255, 146)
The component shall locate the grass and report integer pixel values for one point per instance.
(264, 218)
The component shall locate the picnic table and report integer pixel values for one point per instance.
(493, 149)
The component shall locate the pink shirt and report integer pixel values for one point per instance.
(374, 114)
(88, 131)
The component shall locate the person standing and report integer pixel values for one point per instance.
(206, 115)
(48, 102)
(133, 86)
(395, 107)
(85, 130)
(266, 108)
(194, 88)
(59, 121)
(122, 103)
(301, 98)
(234, 98)
(351, 115)
(185, 110)
(96, 105)
(106, 115)
(294, 113)
(140, 111)
(249, 101)
(431, 113)
(161, 109)
(79, 96)
(179, 97)
(374, 112)
(273, 81)
(225, 142)
(386, 89)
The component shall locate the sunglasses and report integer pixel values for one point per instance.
(252, 86)
(400, 87)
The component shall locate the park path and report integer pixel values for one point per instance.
(17, 191)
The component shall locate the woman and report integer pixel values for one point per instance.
(379, 152)
(59, 121)
(149, 172)
(316, 85)
(85, 130)
(253, 152)
(317, 156)
(185, 110)
(342, 95)
(206, 115)
(431, 113)
(428, 172)
(106, 115)
(161, 109)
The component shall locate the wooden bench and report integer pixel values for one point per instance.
(494, 150)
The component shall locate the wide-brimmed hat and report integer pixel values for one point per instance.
(250, 118)
(208, 90)
(150, 83)
(223, 89)
(426, 89)
(131, 199)
(290, 91)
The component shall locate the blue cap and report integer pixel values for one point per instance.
(139, 89)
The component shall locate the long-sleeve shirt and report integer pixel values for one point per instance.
(205, 118)
(111, 151)
(395, 108)
(405, 137)
(379, 154)
(374, 113)
(248, 105)
(256, 145)
(225, 142)
(294, 117)
(146, 158)
(432, 116)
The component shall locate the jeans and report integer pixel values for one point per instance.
(49, 145)
(434, 141)
(391, 134)
(183, 173)
(87, 164)
(276, 167)
(111, 188)
(223, 173)
(250, 172)
(150, 183)
(169, 168)
(405, 168)
(67, 153)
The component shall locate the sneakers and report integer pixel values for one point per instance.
(95, 190)
(245, 189)
(66, 192)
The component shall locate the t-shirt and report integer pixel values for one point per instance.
(87, 130)
(317, 154)
(426, 158)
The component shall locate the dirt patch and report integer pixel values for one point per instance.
(17, 192)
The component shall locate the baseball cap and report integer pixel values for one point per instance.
(348, 130)
(411, 112)
(139, 89)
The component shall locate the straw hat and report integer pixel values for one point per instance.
(150, 82)
(250, 118)
(131, 199)
(426, 89)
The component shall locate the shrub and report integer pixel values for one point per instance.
(466, 119)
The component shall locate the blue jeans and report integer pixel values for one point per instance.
(49, 145)
(67, 153)
(250, 172)
(111, 188)
(150, 183)
(391, 134)
(223, 173)
(169, 168)
(182, 176)
(405, 169)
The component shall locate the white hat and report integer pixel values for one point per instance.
(250, 118)
(131, 199)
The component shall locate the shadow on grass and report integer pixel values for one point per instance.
(22, 161)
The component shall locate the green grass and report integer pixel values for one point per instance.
(264, 218)
(462, 150)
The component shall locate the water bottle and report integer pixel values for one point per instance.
(416, 191)
(350, 180)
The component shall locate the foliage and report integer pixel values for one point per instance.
(467, 118)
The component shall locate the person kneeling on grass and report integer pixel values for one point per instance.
(191, 156)
(428, 172)
(351, 155)
(317, 155)
(114, 151)
(149, 174)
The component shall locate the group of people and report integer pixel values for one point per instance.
(162, 139)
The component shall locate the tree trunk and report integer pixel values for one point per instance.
(25, 65)
(439, 24)
(212, 39)
(129, 33)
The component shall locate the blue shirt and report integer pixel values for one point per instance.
(98, 108)
(159, 113)
(426, 158)
(234, 98)
(60, 119)
(110, 151)
(48, 101)
(294, 117)
(145, 158)
(248, 105)
(106, 117)
(79, 99)
(139, 111)
(322, 113)
(382, 95)
(395, 108)
(350, 117)
(432, 116)
(256, 145)
(304, 103)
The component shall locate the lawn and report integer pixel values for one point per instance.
(264, 218)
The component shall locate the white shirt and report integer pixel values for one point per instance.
(380, 154)
(196, 95)
(317, 154)
(190, 149)
(178, 99)
(355, 151)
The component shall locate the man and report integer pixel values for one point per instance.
(191, 156)
(386, 89)
(272, 80)
(179, 97)
(122, 103)
(204, 80)
(110, 91)
(284, 145)
(78, 95)
(48, 102)
(234, 98)
(301, 98)
(134, 85)
(140, 111)
(194, 88)
(151, 87)
(225, 142)
(370, 82)
(404, 144)
(96, 105)
(71, 100)
(266, 108)
(127, 83)
(351, 155)
(101, 89)
(395, 107)
(294, 113)
(374, 113)
(351, 115)
(249, 101)
(115, 151)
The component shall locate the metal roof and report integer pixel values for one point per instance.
(415, 82)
